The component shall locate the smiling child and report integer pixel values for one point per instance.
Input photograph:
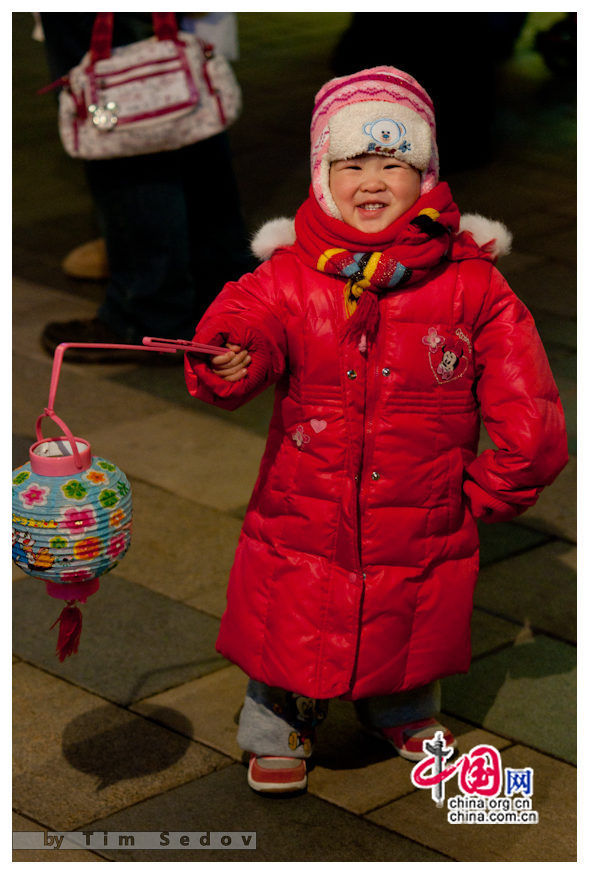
(389, 335)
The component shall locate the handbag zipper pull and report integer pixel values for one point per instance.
(208, 50)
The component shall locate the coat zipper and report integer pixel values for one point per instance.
(368, 422)
(360, 478)
(111, 81)
(133, 68)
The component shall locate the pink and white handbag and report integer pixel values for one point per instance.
(149, 96)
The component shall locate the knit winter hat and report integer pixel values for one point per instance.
(376, 111)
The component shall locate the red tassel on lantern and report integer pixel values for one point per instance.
(70, 618)
(70, 630)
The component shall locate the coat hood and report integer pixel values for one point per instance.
(492, 236)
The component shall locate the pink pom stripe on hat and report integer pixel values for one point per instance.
(376, 111)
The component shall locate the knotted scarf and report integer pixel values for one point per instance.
(401, 255)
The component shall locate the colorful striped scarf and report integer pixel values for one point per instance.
(402, 254)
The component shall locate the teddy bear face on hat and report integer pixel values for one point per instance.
(378, 111)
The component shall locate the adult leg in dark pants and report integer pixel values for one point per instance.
(172, 223)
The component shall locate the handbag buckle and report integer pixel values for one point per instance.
(105, 117)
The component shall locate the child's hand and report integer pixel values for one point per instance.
(233, 365)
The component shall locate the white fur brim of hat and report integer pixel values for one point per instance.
(378, 127)
(280, 232)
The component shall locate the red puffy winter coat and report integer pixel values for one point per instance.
(355, 569)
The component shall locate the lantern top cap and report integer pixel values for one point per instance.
(54, 456)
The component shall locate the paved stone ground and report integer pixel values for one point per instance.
(137, 732)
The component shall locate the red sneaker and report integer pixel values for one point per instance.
(276, 774)
(408, 739)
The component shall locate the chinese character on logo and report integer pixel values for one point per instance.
(479, 772)
(519, 780)
(435, 762)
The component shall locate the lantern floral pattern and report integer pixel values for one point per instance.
(20, 477)
(117, 545)
(77, 519)
(75, 490)
(96, 477)
(34, 495)
(88, 548)
(117, 517)
(108, 498)
(74, 528)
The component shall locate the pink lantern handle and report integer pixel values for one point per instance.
(150, 344)
(160, 344)
(66, 433)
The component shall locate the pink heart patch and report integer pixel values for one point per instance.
(318, 425)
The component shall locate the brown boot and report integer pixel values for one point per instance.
(88, 261)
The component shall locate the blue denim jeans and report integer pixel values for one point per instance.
(274, 722)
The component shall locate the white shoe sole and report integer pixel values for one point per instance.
(274, 788)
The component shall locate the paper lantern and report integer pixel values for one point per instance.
(71, 523)
(72, 511)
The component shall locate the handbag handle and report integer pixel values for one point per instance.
(164, 25)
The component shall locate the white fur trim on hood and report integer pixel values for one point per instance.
(271, 236)
(281, 232)
(484, 230)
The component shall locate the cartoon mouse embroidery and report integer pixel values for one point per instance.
(452, 352)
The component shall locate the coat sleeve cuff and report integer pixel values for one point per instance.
(205, 385)
(486, 507)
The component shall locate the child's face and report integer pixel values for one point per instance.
(373, 190)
